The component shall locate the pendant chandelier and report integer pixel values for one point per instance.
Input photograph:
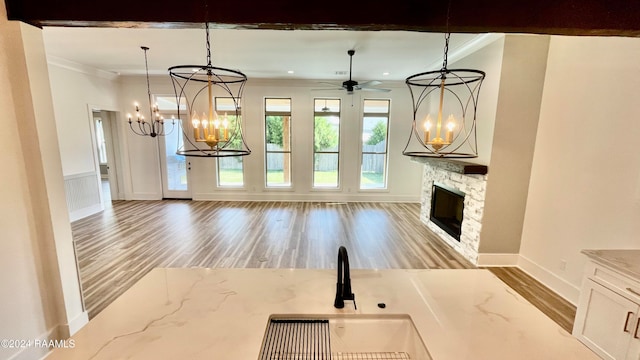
(450, 93)
(212, 131)
(155, 126)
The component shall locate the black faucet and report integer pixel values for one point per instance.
(343, 286)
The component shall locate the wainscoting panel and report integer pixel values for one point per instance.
(83, 194)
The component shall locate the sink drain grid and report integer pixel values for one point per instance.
(371, 356)
(309, 339)
(340, 356)
(293, 339)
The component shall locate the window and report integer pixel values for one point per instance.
(375, 124)
(169, 104)
(326, 143)
(278, 142)
(102, 144)
(230, 169)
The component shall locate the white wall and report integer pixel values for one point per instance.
(584, 191)
(521, 86)
(140, 153)
(39, 288)
(75, 89)
(489, 60)
(404, 175)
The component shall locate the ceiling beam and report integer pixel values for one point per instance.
(565, 17)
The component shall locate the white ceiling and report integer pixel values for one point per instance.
(309, 54)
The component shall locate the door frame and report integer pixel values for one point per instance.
(115, 140)
(108, 129)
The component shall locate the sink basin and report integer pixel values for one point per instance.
(338, 337)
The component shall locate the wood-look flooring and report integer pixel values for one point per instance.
(120, 245)
(551, 304)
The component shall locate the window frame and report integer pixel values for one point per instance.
(218, 183)
(337, 152)
(385, 186)
(267, 152)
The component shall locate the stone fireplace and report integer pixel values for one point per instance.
(462, 178)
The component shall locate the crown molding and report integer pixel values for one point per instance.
(467, 49)
(80, 68)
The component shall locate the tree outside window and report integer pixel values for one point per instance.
(326, 143)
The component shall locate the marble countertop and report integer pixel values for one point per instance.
(624, 261)
(223, 313)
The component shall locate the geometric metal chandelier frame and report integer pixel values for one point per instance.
(212, 134)
(452, 92)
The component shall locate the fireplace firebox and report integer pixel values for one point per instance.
(447, 206)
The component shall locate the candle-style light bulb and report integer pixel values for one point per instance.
(129, 117)
(225, 125)
(196, 126)
(451, 124)
(427, 129)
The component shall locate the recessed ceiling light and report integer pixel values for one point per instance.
(385, 73)
(290, 72)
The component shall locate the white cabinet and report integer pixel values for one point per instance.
(608, 316)
(634, 350)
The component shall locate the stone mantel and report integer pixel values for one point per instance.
(453, 165)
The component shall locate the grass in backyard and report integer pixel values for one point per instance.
(372, 180)
(321, 178)
(231, 177)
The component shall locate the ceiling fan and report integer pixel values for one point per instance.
(351, 85)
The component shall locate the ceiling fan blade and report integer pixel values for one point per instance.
(328, 89)
(330, 84)
(370, 83)
(375, 89)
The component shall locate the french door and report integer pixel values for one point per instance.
(175, 168)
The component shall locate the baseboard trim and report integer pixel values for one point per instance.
(318, 197)
(146, 196)
(560, 286)
(59, 332)
(491, 260)
(76, 324)
(83, 213)
(36, 352)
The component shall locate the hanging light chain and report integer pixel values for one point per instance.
(446, 51)
(206, 24)
(152, 120)
(446, 37)
(146, 66)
